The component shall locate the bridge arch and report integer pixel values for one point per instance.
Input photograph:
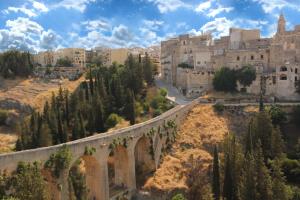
(144, 159)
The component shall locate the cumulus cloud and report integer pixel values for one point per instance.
(165, 6)
(270, 5)
(79, 5)
(25, 34)
(153, 24)
(31, 10)
(220, 26)
(212, 8)
(93, 25)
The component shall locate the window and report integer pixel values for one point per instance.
(252, 57)
(296, 78)
(283, 69)
(296, 71)
(262, 57)
(238, 58)
(283, 77)
(191, 51)
(274, 80)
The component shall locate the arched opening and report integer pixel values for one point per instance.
(144, 161)
(85, 179)
(118, 168)
(283, 68)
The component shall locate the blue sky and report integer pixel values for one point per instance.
(37, 25)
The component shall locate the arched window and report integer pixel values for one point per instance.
(283, 77)
(283, 68)
(238, 58)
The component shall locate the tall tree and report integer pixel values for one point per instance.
(216, 175)
(228, 192)
(130, 107)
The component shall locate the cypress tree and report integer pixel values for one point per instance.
(130, 107)
(91, 122)
(45, 138)
(82, 131)
(228, 180)
(76, 128)
(248, 187)
(216, 175)
(67, 112)
(91, 82)
(60, 129)
(263, 179)
(99, 117)
(279, 187)
(148, 70)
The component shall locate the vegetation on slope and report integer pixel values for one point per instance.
(107, 96)
(15, 63)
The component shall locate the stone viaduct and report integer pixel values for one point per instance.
(144, 145)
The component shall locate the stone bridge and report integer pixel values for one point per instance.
(111, 170)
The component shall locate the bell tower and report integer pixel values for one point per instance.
(281, 25)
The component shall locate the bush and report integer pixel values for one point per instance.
(163, 92)
(112, 120)
(219, 107)
(296, 116)
(178, 197)
(3, 117)
(157, 112)
(278, 116)
(225, 80)
(246, 75)
(291, 169)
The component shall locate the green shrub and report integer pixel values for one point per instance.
(3, 117)
(225, 80)
(178, 197)
(157, 112)
(278, 116)
(163, 92)
(112, 120)
(246, 75)
(219, 107)
(291, 169)
(296, 115)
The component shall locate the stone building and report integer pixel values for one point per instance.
(189, 62)
(76, 55)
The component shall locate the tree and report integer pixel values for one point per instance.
(27, 182)
(64, 62)
(248, 186)
(278, 116)
(228, 192)
(279, 187)
(76, 128)
(130, 107)
(199, 187)
(216, 175)
(263, 179)
(45, 138)
(246, 75)
(225, 80)
(148, 70)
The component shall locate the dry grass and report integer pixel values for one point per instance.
(34, 92)
(7, 139)
(201, 129)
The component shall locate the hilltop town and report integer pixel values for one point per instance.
(190, 62)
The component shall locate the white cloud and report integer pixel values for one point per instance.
(214, 12)
(220, 26)
(79, 5)
(39, 6)
(23, 9)
(94, 25)
(203, 6)
(212, 8)
(269, 6)
(165, 6)
(24, 34)
(153, 24)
